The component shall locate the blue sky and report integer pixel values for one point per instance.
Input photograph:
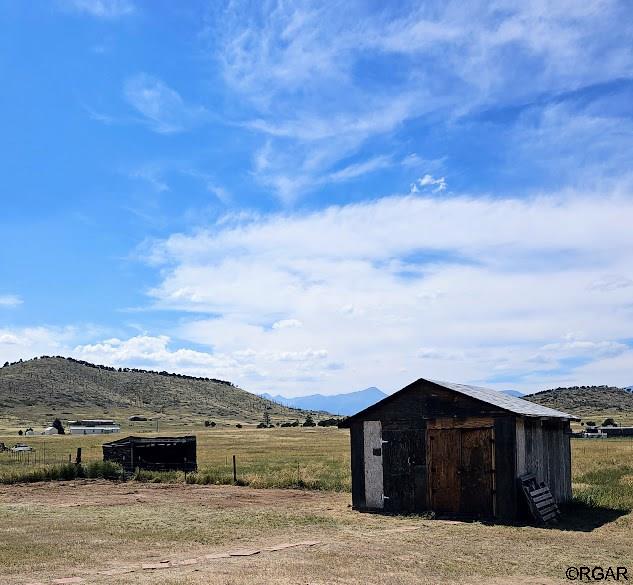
(302, 198)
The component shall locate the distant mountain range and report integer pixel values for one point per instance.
(343, 404)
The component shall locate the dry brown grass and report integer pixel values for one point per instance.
(81, 527)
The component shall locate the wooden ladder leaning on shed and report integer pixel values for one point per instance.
(540, 500)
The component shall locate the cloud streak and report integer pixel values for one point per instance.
(303, 70)
(163, 109)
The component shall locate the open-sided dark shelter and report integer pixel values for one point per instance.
(456, 450)
(153, 453)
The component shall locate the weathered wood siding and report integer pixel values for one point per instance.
(548, 455)
(520, 445)
(372, 433)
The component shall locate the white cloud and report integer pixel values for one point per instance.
(107, 9)
(611, 282)
(10, 301)
(359, 169)
(28, 342)
(163, 108)
(485, 286)
(430, 183)
(287, 323)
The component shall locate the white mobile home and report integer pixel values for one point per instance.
(93, 427)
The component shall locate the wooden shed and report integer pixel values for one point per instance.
(456, 450)
(153, 453)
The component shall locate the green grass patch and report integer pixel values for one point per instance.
(62, 472)
(606, 487)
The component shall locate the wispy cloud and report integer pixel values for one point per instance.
(10, 301)
(359, 169)
(302, 70)
(162, 107)
(108, 9)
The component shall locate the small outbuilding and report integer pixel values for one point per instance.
(153, 453)
(456, 450)
(50, 431)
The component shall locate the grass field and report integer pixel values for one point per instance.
(81, 528)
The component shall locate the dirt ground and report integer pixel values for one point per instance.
(94, 532)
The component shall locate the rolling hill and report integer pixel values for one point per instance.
(343, 404)
(597, 402)
(33, 389)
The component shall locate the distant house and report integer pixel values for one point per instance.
(93, 427)
(50, 431)
(456, 450)
(616, 431)
(153, 453)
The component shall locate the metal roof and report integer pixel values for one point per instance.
(505, 401)
(488, 395)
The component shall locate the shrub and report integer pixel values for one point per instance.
(609, 422)
(238, 426)
(103, 470)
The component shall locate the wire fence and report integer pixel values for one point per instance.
(35, 457)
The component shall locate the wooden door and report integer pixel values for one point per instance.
(404, 470)
(476, 473)
(461, 471)
(443, 465)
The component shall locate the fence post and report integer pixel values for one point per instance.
(234, 470)
(78, 460)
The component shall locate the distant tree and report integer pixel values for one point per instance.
(328, 422)
(238, 425)
(59, 426)
(609, 422)
(591, 423)
(5, 364)
(266, 421)
(295, 423)
(20, 432)
(309, 422)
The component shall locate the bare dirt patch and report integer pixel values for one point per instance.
(132, 533)
(105, 493)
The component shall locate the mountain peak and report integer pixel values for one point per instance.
(343, 404)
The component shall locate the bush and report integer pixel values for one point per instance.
(328, 422)
(103, 470)
(609, 422)
(238, 426)
(309, 422)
